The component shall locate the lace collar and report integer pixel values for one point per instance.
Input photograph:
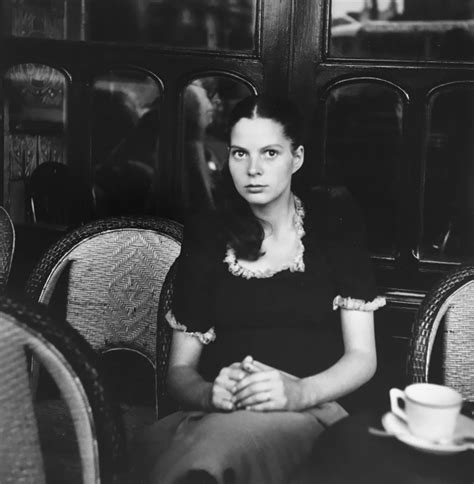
(297, 265)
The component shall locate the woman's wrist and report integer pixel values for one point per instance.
(310, 395)
(207, 404)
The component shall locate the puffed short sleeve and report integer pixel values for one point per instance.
(349, 258)
(194, 283)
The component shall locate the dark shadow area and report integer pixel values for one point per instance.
(130, 377)
(32, 240)
(57, 197)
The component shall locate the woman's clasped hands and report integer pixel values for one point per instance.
(251, 385)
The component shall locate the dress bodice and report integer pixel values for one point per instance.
(285, 319)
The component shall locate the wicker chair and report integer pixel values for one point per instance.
(442, 342)
(26, 455)
(163, 343)
(7, 247)
(106, 277)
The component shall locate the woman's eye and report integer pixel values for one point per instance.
(271, 153)
(238, 154)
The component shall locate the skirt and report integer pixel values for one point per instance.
(241, 447)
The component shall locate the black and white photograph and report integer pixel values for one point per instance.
(236, 241)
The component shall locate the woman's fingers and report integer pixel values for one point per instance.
(270, 405)
(255, 365)
(259, 397)
(222, 390)
(255, 378)
(222, 399)
(222, 404)
(235, 374)
(255, 388)
(248, 365)
(227, 381)
(229, 376)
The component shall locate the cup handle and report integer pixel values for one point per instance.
(395, 395)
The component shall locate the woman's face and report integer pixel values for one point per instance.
(262, 160)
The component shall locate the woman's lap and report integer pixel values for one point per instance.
(238, 447)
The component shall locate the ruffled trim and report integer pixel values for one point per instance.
(358, 304)
(205, 338)
(297, 265)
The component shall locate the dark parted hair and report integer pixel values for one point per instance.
(242, 230)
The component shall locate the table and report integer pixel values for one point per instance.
(347, 453)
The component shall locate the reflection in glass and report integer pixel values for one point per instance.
(124, 137)
(207, 104)
(203, 24)
(206, 24)
(49, 19)
(402, 29)
(58, 198)
(363, 150)
(448, 215)
(34, 129)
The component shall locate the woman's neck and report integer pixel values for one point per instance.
(278, 216)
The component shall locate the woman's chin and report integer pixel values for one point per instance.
(257, 198)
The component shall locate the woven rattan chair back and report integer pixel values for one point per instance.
(71, 362)
(447, 316)
(115, 269)
(7, 247)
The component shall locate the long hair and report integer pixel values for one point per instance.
(242, 230)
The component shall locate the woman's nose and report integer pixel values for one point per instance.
(254, 167)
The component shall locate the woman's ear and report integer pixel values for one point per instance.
(298, 158)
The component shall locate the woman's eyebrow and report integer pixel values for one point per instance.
(266, 147)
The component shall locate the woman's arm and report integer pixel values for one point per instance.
(185, 384)
(188, 387)
(353, 369)
(273, 390)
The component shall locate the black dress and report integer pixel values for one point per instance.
(287, 319)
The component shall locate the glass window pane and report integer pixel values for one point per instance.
(34, 129)
(49, 19)
(402, 29)
(207, 104)
(448, 215)
(124, 137)
(203, 24)
(363, 152)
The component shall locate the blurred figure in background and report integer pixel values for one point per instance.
(125, 156)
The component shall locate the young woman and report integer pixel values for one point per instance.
(272, 316)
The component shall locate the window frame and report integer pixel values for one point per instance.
(408, 272)
(291, 56)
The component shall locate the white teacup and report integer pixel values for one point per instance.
(430, 410)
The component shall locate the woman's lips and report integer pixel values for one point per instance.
(255, 188)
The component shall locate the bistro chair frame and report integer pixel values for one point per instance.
(448, 305)
(7, 247)
(129, 258)
(73, 365)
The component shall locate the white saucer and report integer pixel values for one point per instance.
(396, 426)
